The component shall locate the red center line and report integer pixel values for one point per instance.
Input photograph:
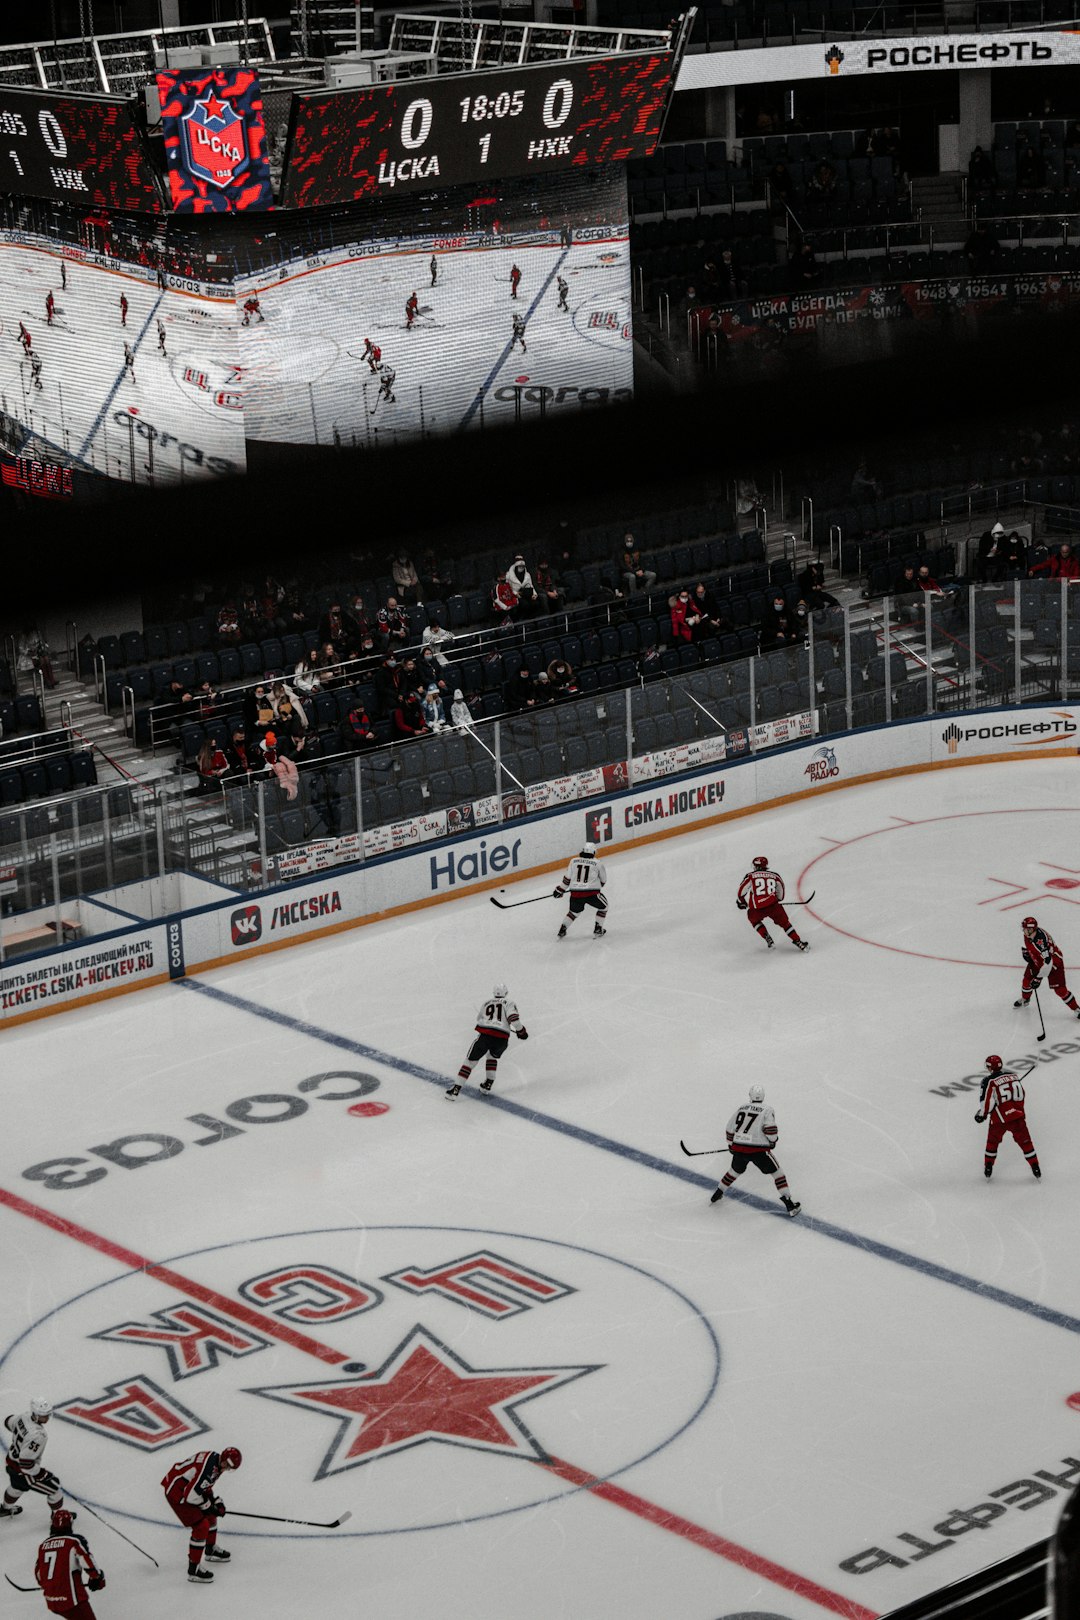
(708, 1540)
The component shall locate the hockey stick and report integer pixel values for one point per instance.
(701, 1153)
(272, 1518)
(509, 905)
(1042, 1021)
(113, 1528)
(805, 902)
(19, 1588)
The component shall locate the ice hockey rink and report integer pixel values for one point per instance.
(510, 1335)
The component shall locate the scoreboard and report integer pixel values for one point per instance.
(451, 130)
(74, 149)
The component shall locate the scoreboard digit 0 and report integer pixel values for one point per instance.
(74, 149)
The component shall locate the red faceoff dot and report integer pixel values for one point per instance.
(1073, 1401)
(368, 1110)
(1063, 883)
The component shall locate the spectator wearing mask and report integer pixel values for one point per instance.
(549, 594)
(712, 621)
(281, 767)
(340, 630)
(521, 583)
(811, 584)
(561, 679)
(405, 577)
(636, 577)
(778, 626)
(684, 617)
(990, 558)
(438, 639)
(432, 709)
(409, 717)
(460, 713)
(392, 625)
(504, 600)
(291, 731)
(211, 764)
(1015, 556)
(358, 731)
(238, 752)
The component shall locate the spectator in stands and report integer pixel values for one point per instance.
(460, 713)
(811, 584)
(711, 618)
(636, 577)
(778, 626)
(429, 672)
(432, 709)
(732, 283)
(280, 694)
(228, 625)
(388, 682)
(409, 717)
(521, 690)
(650, 662)
(907, 596)
(306, 678)
(981, 173)
(290, 726)
(436, 578)
(406, 579)
(521, 583)
(271, 605)
(1060, 564)
(258, 714)
(684, 617)
(1030, 170)
(804, 268)
(281, 767)
(749, 503)
(32, 653)
(358, 731)
(211, 765)
(330, 671)
(392, 625)
(504, 600)
(561, 679)
(436, 639)
(1015, 556)
(864, 486)
(543, 694)
(238, 752)
(926, 581)
(340, 630)
(296, 616)
(549, 593)
(177, 700)
(990, 556)
(709, 281)
(823, 180)
(982, 249)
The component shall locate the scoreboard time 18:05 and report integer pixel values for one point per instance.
(446, 131)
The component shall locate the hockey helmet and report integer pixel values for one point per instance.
(757, 1093)
(500, 992)
(40, 1409)
(994, 1063)
(761, 862)
(230, 1458)
(62, 1521)
(1029, 922)
(588, 849)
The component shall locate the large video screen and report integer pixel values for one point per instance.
(155, 349)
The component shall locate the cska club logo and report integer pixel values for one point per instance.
(213, 137)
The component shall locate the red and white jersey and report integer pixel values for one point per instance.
(497, 1016)
(193, 1480)
(1040, 951)
(752, 1128)
(27, 1444)
(584, 875)
(761, 888)
(63, 1568)
(1004, 1096)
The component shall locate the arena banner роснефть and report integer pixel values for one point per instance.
(215, 140)
(843, 58)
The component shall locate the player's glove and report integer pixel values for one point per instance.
(557, 894)
(741, 904)
(522, 1034)
(96, 1583)
(217, 1508)
(979, 1117)
(1035, 983)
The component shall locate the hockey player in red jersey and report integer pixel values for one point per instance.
(1041, 954)
(761, 896)
(1003, 1106)
(252, 307)
(494, 1021)
(373, 355)
(189, 1491)
(515, 280)
(123, 309)
(752, 1134)
(65, 1569)
(50, 306)
(412, 309)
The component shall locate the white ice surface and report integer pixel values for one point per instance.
(855, 1396)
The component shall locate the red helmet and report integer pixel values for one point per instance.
(1029, 922)
(230, 1458)
(62, 1521)
(761, 861)
(993, 1063)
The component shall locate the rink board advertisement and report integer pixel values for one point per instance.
(248, 924)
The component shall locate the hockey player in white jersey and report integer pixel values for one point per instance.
(495, 1020)
(584, 878)
(25, 1449)
(752, 1135)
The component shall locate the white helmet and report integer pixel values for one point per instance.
(500, 992)
(40, 1409)
(588, 849)
(757, 1093)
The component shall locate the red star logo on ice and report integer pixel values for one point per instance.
(423, 1391)
(213, 108)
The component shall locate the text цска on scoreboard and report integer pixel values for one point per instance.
(418, 135)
